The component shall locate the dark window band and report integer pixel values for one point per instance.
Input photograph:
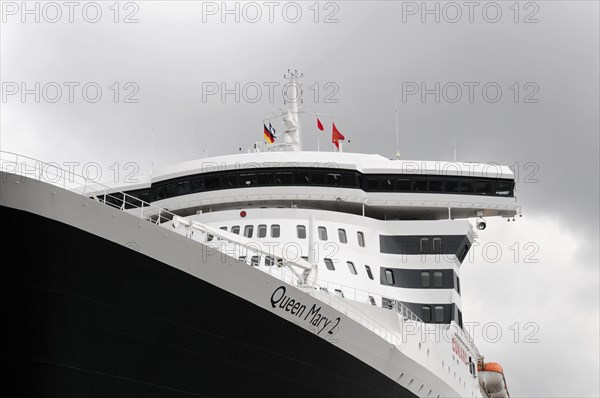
(419, 278)
(325, 177)
(417, 244)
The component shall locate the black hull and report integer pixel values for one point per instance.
(85, 317)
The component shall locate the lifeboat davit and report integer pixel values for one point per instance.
(491, 379)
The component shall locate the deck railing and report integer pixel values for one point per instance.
(53, 174)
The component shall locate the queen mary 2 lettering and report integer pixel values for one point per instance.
(181, 285)
(314, 317)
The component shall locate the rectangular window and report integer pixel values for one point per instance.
(262, 231)
(209, 237)
(426, 313)
(322, 233)
(223, 228)
(483, 187)
(342, 235)
(424, 245)
(372, 300)
(361, 239)
(254, 261)
(437, 279)
(212, 182)
(334, 179)
(301, 231)
(439, 314)
(235, 229)
(197, 184)
(452, 186)
(351, 267)
(349, 180)
(389, 277)
(284, 178)
(503, 189)
(437, 245)
(458, 285)
(460, 322)
(436, 186)
(425, 279)
(302, 177)
(403, 185)
(248, 179)
(420, 185)
(243, 259)
(229, 180)
(269, 261)
(248, 231)
(466, 186)
(266, 178)
(372, 184)
(369, 273)
(339, 293)
(305, 258)
(275, 231)
(329, 264)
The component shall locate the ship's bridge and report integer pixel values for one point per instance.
(365, 184)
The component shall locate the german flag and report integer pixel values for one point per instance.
(269, 137)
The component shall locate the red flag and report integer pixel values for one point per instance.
(320, 125)
(336, 136)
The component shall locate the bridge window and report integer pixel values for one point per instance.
(235, 229)
(452, 186)
(436, 186)
(425, 279)
(266, 178)
(483, 187)
(334, 179)
(466, 187)
(248, 179)
(262, 231)
(248, 231)
(197, 184)
(275, 231)
(389, 277)
(439, 314)
(302, 177)
(361, 239)
(322, 233)
(403, 185)
(212, 182)
(420, 185)
(351, 267)
(426, 313)
(229, 180)
(254, 261)
(342, 235)
(329, 264)
(369, 273)
(284, 178)
(301, 231)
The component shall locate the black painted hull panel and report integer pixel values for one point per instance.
(85, 317)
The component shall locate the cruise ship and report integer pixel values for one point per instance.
(273, 273)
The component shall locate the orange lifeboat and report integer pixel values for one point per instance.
(491, 379)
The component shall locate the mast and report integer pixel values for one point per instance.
(292, 95)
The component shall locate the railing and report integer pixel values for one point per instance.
(53, 174)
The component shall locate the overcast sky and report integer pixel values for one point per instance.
(517, 85)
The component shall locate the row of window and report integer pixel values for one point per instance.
(457, 245)
(329, 265)
(328, 177)
(275, 232)
(261, 230)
